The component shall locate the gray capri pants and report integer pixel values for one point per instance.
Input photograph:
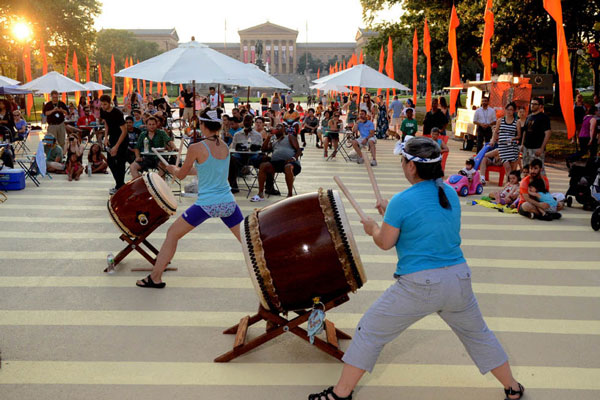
(446, 291)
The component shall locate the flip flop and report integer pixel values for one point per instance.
(256, 198)
(149, 283)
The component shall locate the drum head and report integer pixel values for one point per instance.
(161, 192)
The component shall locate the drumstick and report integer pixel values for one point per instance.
(160, 157)
(180, 150)
(372, 178)
(350, 198)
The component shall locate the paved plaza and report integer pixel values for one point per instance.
(69, 331)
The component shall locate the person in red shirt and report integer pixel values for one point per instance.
(85, 120)
(526, 203)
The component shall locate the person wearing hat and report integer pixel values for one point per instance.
(54, 155)
(55, 112)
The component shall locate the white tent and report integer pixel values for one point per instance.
(4, 81)
(326, 87)
(90, 85)
(196, 62)
(54, 81)
(362, 76)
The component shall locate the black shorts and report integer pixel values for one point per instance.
(279, 166)
(332, 135)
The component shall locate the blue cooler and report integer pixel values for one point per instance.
(12, 179)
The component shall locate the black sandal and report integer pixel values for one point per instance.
(512, 392)
(149, 283)
(324, 395)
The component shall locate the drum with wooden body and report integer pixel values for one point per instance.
(301, 248)
(141, 205)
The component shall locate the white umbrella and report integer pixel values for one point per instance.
(4, 81)
(326, 87)
(54, 81)
(196, 62)
(90, 85)
(362, 76)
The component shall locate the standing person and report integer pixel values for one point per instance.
(115, 140)
(382, 118)
(579, 111)
(507, 134)
(188, 103)
(236, 100)
(536, 135)
(435, 118)
(276, 102)
(332, 134)
(214, 98)
(351, 109)
(396, 108)
(586, 137)
(55, 112)
(289, 99)
(409, 125)
(264, 104)
(484, 118)
(430, 279)
(367, 105)
(446, 111)
(210, 158)
(7, 121)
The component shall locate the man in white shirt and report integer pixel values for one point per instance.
(484, 118)
(244, 140)
(213, 98)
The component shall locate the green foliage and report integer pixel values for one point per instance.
(122, 44)
(313, 64)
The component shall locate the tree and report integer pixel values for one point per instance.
(313, 64)
(122, 44)
(63, 25)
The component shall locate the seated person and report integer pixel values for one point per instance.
(97, 162)
(469, 169)
(366, 129)
(309, 125)
(510, 193)
(259, 126)
(526, 203)
(285, 158)
(138, 122)
(332, 134)
(291, 115)
(85, 120)
(541, 204)
(246, 139)
(156, 138)
(20, 125)
(133, 134)
(234, 127)
(54, 155)
(150, 109)
(409, 126)
(73, 167)
(492, 157)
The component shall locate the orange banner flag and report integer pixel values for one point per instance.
(381, 63)
(318, 76)
(27, 63)
(76, 71)
(112, 74)
(415, 62)
(361, 59)
(144, 90)
(125, 82)
(100, 92)
(131, 79)
(453, 50)
(389, 66)
(165, 92)
(66, 73)
(44, 64)
(554, 8)
(488, 32)
(87, 72)
(427, 51)
(150, 91)
(138, 81)
(344, 64)
(158, 88)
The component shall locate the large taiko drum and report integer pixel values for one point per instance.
(141, 205)
(301, 248)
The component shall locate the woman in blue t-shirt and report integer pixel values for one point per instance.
(210, 157)
(430, 278)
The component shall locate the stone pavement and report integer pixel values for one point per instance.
(69, 331)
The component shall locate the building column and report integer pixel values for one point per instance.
(272, 58)
(295, 63)
(241, 50)
(280, 68)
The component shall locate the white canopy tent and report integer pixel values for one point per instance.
(54, 81)
(4, 81)
(362, 76)
(326, 87)
(90, 85)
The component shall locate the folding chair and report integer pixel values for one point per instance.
(20, 142)
(34, 165)
(341, 148)
(276, 186)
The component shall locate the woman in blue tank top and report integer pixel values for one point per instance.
(210, 157)
(423, 224)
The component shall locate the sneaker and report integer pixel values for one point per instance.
(112, 191)
(273, 192)
(546, 217)
(374, 163)
(360, 160)
(482, 179)
(235, 190)
(556, 215)
(256, 198)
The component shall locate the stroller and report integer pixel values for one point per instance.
(580, 184)
(595, 191)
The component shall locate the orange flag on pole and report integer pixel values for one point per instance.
(381, 63)
(158, 88)
(125, 82)
(453, 50)
(427, 51)
(554, 8)
(415, 62)
(66, 73)
(344, 64)
(389, 66)
(112, 73)
(488, 32)
(44, 64)
(87, 72)
(165, 92)
(361, 59)
(318, 76)
(151, 84)
(100, 92)
(138, 81)
(131, 79)
(144, 88)
(76, 71)
(27, 62)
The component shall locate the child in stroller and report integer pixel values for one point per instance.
(580, 184)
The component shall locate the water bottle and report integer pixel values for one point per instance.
(146, 145)
(110, 260)
(89, 170)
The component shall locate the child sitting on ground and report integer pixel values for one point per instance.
(435, 136)
(510, 193)
(469, 169)
(546, 209)
(74, 168)
(97, 163)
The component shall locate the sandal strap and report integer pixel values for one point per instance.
(511, 392)
(324, 395)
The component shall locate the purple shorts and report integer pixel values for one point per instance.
(229, 213)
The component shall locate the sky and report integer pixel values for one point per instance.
(328, 20)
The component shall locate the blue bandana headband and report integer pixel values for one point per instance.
(400, 150)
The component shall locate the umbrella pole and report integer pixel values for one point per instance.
(248, 96)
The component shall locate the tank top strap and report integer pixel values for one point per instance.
(207, 148)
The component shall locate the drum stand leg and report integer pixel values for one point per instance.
(277, 325)
(135, 244)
